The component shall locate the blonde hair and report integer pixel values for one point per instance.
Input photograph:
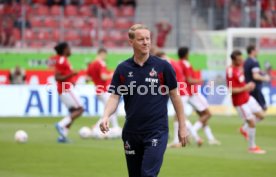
(133, 28)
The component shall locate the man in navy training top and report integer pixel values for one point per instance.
(146, 82)
(254, 74)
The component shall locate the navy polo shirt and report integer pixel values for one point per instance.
(145, 111)
(251, 65)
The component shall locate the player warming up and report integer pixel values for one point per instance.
(101, 76)
(248, 108)
(197, 100)
(182, 92)
(146, 83)
(254, 74)
(66, 78)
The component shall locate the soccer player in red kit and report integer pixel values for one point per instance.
(183, 93)
(65, 78)
(101, 76)
(196, 99)
(247, 107)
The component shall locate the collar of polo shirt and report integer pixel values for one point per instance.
(148, 61)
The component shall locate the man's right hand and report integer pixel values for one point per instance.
(75, 73)
(267, 78)
(183, 135)
(251, 86)
(104, 126)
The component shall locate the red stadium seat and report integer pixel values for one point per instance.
(43, 35)
(127, 11)
(106, 37)
(71, 35)
(112, 2)
(41, 10)
(91, 22)
(86, 27)
(266, 43)
(71, 10)
(16, 34)
(51, 22)
(36, 22)
(107, 23)
(56, 35)
(85, 11)
(122, 24)
(29, 35)
(109, 44)
(124, 36)
(55, 10)
(116, 35)
(78, 23)
(67, 23)
(124, 11)
(39, 1)
(36, 44)
(1, 9)
(92, 2)
(273, 43)
(117, 11)
(86, 41)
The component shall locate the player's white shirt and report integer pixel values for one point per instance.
(247, 110)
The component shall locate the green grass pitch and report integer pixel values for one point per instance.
(43, 157)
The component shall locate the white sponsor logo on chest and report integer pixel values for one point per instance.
(151, 80)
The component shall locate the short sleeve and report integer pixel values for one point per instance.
(59, 65)
(170, 77)
(116, 82)
(229, 76)
(89, 70)
(255, 67)
(103, 69)
(187, 70)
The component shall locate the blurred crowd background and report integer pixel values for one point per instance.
(86, 23)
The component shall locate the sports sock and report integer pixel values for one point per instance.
(198, 125)
(245, 127)
(251, 134)
(66, 131)
(114, 121)
(175, 132)
(65, 121)
(192, 131)
(208, 133)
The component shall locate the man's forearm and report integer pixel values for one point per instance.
(177, 103)
(111, 105)
(258, 77)
(63, 78)
(105, 76)
(194, 81)
(238, 90)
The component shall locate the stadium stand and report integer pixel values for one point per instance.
(88, 20)
(78, 24)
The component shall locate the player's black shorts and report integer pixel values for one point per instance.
(258, 95)
(144, 152)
